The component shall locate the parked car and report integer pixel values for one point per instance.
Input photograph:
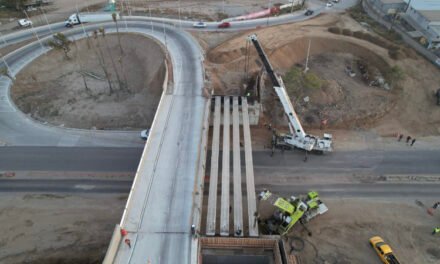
(335, 1)
(308, 12)
(145, 133)
(329, 4)
(25, 22)
(224, 25)
(199, 24)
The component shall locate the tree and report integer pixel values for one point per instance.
(61, 42)
(114, 16)
(4, 71)
(102, 63)
(121, 84)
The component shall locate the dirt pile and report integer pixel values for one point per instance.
(98, 87)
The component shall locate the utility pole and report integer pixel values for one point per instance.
(307, 59)
(47, 21)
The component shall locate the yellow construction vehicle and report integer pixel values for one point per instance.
(279, 215)
(383, 250)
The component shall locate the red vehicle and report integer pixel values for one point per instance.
(224, 25)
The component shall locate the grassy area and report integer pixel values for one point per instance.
(296, 81)
(394, 75)
(357, 13)
(6, 13)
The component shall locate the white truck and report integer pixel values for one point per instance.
(79, 18)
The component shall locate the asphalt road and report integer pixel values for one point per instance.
(69, 159)
(356, 190)
(412, 161)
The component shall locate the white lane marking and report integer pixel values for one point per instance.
(84, 187)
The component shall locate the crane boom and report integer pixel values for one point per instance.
(298, 137)
(278, 85)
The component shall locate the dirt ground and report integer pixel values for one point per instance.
(208, 10)
(57, 228)
(75, 92)
(341, 235)
(408, 108)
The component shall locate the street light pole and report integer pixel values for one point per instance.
(180, 20)
(47, 21)
(269, 7)
(165, 34)
(9, 73)
(33, 29)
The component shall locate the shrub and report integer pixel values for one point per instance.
(359, 34)
(347, 32)
(334, 30)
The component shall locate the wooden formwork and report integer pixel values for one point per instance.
(238, 243)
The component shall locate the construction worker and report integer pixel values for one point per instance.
(413, 141)
(193, 230)
(128, 242)
(436, 230)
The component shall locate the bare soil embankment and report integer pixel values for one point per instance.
(346, 102)
(97, 87)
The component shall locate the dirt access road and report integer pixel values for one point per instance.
(342, 234)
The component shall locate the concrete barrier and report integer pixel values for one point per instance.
(113, 246)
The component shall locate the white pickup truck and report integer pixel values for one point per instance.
(24, 22)
(79, 18)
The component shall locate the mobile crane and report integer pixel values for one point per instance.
(297, 137)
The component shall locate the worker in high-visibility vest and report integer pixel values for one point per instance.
(436, 230)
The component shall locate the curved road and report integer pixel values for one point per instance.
(163, 187)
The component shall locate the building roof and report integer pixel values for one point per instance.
(392, 1)
(424, 4)
(431, 15)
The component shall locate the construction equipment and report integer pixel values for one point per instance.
(279, 215)
(297, 137)
(383, 250)
(434, 207)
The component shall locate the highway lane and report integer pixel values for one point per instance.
(69, 159)
(352, 190)
(412, 161)
(317, 6)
